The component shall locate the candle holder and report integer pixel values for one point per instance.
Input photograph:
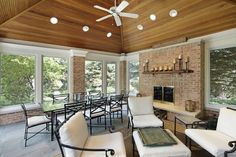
(174, 62)
(186, 63)
(180, 64)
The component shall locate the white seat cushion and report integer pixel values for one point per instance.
(36, 120)
(107, 141)
(178, 150)
(146, 121)
(74, 133)
(98, 112)
(114, 109)
(213, 141)
(141, 105)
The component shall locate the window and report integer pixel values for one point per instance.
(17, 79)
(133, 77)
(55, 76)
(93, 75)
(111, 78)
(223, 76)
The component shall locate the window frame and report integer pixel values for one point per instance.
(38, 53)
(213, 44)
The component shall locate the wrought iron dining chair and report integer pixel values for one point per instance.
(56, 98)
(95, 94)
(115, 105)
(80, 96)
(125, 99)
(69, 110)
(33, 120)
(97, 110)
(74, 140)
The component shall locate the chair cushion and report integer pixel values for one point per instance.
(213, 141)
(140, 105)
(225, 123)
(146, 121)
(75, 133)
(107, 141)
(96, 113)
(37, 120)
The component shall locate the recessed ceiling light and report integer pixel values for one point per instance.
(140, 27)
(173, 13)
(109, 34)
(54, 20)
(85, 28)
(153, 17)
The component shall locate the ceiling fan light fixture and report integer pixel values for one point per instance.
(153, 17)
(140, 27)
(173, 13)
(109, 34)
(85, 28)
(53, 20)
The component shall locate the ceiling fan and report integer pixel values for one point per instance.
(116, 12)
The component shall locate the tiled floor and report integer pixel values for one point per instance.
(12, 143)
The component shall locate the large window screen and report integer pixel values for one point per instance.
(133, 73)
(55, 77)
(223, 76)
(93, 75)
(111, 78)
(17, 79)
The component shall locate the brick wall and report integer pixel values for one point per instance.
(17, 116)
(187, 86)
(78, 74)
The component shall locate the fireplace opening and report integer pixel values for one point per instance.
(164, 93)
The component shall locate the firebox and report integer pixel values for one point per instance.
(164, 93)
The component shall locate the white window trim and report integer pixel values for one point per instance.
(220, 40)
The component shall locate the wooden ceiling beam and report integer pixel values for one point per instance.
(20, 13)
(231, 1)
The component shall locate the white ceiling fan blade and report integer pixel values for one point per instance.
(101, 8)
(117, 19)
(122, 6)
(103, 18)
(130, 15)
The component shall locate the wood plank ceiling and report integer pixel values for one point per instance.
(29, 20)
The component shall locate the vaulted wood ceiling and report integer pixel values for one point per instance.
(29, 20)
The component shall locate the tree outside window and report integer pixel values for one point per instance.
(17, 79)
(223, 76)
(55, 77)
(133, 67)
(93, 75)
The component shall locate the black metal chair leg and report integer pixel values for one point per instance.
(90, 126)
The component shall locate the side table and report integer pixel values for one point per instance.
(187, 121)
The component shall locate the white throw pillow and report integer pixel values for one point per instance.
(226, 122)
(141, 105)
(74, 133)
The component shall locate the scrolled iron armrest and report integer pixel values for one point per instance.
(111, 128)
(112, 151)
(233, 145)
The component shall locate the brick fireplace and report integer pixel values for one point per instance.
(187, 86)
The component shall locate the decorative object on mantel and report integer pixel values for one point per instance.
(190, 105)
(166, 69)
(145, 66)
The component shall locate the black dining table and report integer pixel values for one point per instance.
(51, 109)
